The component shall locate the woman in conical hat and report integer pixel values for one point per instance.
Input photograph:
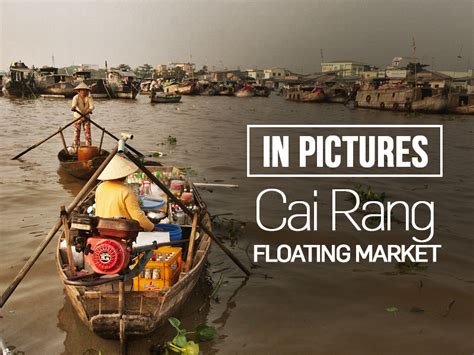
(114, 198)
(83, 104)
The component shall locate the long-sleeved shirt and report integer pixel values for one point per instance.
(116, 199)
(82, 105)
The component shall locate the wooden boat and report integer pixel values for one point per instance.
(100, 88)
(123, 84)
(336, 94)
(80, 169)
(246, 91)
(145, 86)
(262, 91)
(225, 90)
(2, 76)
(19, 82)
(49, 83)
(165, 98)
(305, 94)
(461, 103)
(382, 95)
(140, 312)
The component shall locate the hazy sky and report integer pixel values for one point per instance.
(235, 34)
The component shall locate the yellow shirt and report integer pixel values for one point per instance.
(82, 105)
(116, 199)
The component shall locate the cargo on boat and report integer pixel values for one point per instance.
(120, 281)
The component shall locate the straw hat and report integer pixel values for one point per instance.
(82, 86)
(117, 168)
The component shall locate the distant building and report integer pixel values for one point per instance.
(458, 74)
(84, 67)
(188, 68)
(275, 73)
(345, 67)
(223, 75)
(257, 74)
(161, 68)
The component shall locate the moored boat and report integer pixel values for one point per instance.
(245, 91)
(162, 98)
(50, 83)
(123, 84)
(461, 103)
(262, 91)
(305, 94)
(401, 97)
(100, 88)
(129, 303)
(81, 169)
(19, 82)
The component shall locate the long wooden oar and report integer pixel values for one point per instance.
(39, 250)
(48, 138)
(186, 210)
(113, 136)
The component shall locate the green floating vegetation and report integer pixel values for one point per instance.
(180, 344)
(392, 309)
(172, 140)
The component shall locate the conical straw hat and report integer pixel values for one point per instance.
(118, 168)
(82, 86)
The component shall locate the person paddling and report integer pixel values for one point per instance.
(114, 198)
(84, 104)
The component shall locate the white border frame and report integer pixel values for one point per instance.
(439, 126)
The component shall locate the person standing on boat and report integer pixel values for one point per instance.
(114, 198)
(84, 104)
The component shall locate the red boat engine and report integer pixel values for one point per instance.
(108, 245)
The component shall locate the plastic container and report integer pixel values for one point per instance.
(175, 231)
(87, 152)
(160, 272)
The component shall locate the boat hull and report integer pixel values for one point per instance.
(144, 311)
(305, 96)
(170, 99)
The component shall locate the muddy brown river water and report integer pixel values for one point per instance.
(284, 308)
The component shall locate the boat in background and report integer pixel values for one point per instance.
(305, 94)
(123, 84)
(261, 90)
(382, 94)
(2, 75)
(50, 83)
(461, 103)
(162, 98)
(145, 86)
(19, 82)
(100, 88)
(246, 91)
